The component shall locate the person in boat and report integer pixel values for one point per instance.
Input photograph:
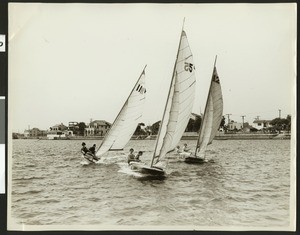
(93, 151)
(137, 157)
(131, 156)
(185, 148)
(87, 152)
(84, 149)
(177, 149)
(184, 152)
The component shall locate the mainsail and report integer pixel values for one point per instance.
(179, 102)
(127, 120)
(212, 115)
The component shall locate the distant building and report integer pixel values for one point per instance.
(74, 127)
(97, 127)
(58, 127)
(58, 130)
(235, 126)
(34, 133)
(260, 124)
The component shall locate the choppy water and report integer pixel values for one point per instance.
(247, 186)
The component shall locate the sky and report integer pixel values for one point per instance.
(77, 62)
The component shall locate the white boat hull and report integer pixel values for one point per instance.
(143, 169)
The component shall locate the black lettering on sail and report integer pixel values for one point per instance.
(188, 67)
(140, 89)
(216, 79)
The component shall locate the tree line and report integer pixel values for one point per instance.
(278, 125)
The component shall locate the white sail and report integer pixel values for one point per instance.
(179, 103)
(212, 115)
(127, 120)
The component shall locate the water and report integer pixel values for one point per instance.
(248, 185)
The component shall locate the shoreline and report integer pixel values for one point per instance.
(186, 136)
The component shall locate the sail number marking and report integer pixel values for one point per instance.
(189, 67)
(141, 89)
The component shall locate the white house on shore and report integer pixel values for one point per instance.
(97, 127)
(59, 131)
(260, 124)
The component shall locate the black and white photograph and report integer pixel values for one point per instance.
(144, 116)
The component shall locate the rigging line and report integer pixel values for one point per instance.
(180, 92)
(182, 71)
(179, 61)
(133, 106)
(186, 79)
(186, 99)
(138, 117)
(184, 48)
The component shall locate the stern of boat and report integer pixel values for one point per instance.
(195, 160)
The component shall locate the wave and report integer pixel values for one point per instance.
(124, 168)
(63, 166)
(175, 173)
(30, 165)
(30, 178)
(46, 201)
(32, 191)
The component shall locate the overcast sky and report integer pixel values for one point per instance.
(74, 62)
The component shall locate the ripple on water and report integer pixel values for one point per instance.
(28, 192)
(240, 189)
(29, 178)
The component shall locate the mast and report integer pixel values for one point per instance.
(172, 80)
(201, 125)
(105, 137)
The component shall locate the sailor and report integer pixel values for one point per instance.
(87, 153)
(137, 157)
(131, 156)
(185, 148)
(177, 149)
(84, 149)
(93, 151)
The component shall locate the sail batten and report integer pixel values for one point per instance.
(127, 120)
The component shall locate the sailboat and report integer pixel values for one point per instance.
(125, 123)
(177, 109)
(211, 120)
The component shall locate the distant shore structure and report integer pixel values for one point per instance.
(96, 129)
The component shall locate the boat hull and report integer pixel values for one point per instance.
(194, 160)
(143, 169)
(87, 159)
